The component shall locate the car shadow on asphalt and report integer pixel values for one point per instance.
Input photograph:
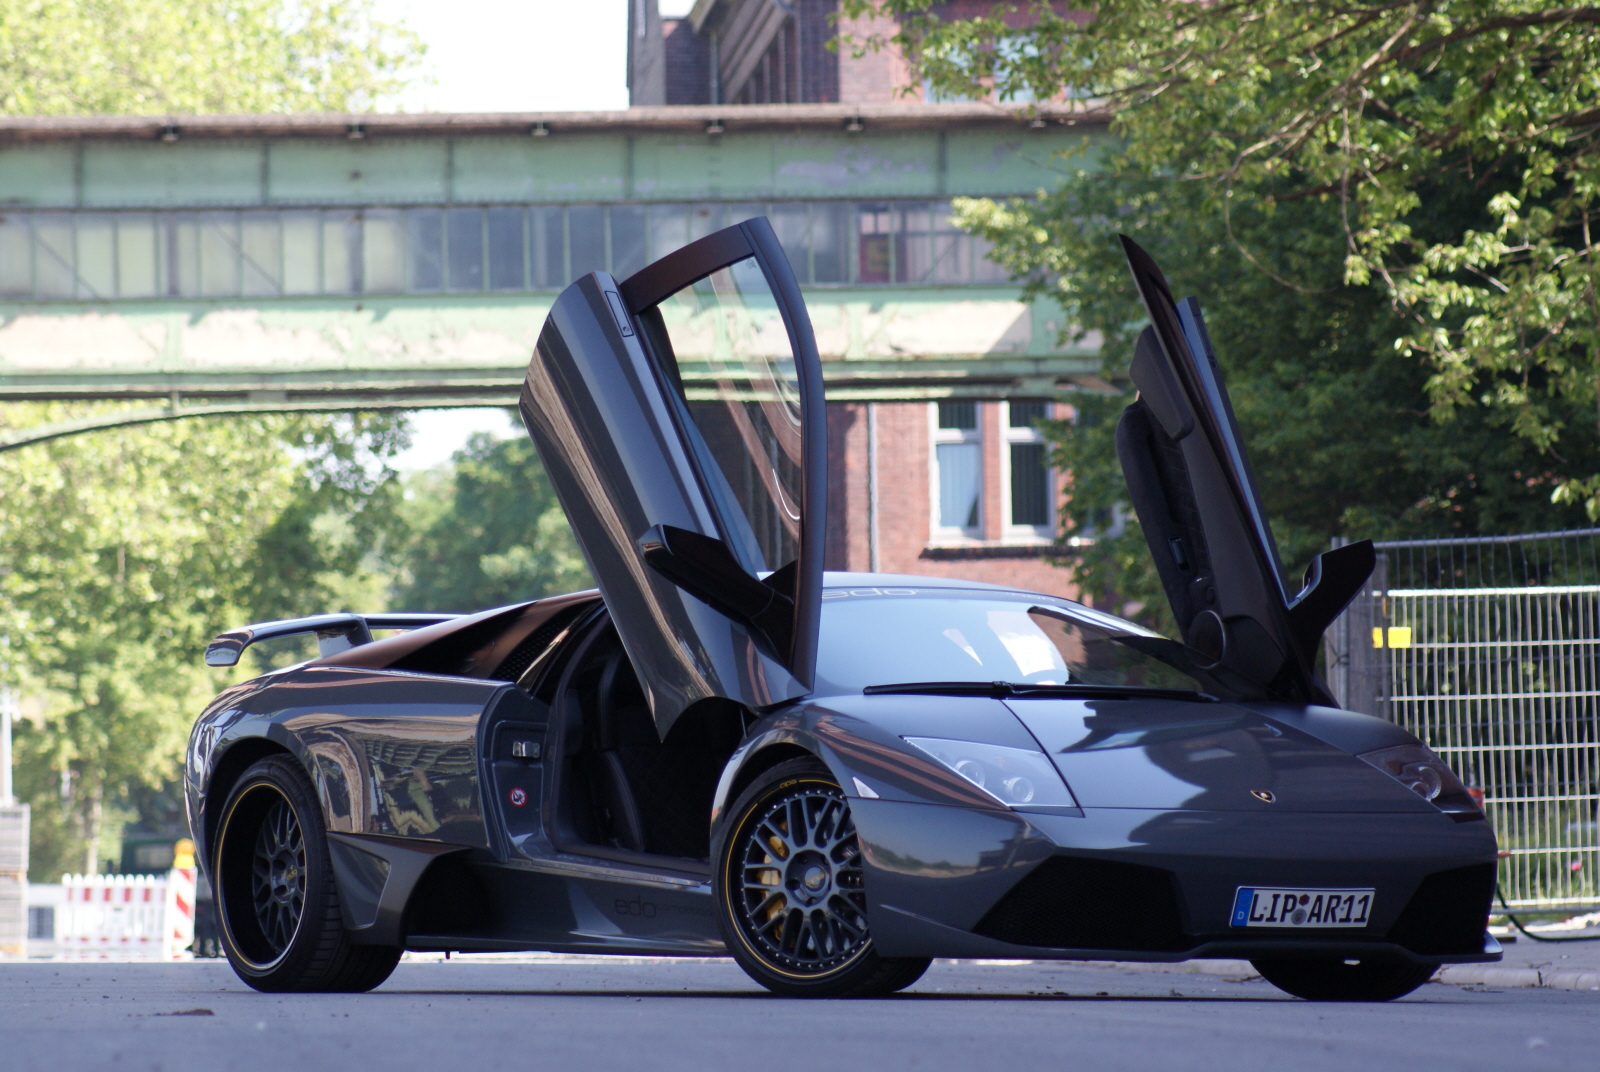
(763, 996)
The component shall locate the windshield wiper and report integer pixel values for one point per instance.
(1000, 690)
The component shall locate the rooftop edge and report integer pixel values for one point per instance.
(707, 119)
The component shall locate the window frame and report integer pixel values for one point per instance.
(942, 534)
(1009, 436)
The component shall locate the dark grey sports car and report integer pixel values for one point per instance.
(830, 777)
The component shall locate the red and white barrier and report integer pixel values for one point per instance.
(127, 917)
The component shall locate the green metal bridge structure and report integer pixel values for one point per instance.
(228, 264)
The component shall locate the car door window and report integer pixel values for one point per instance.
(729, 351)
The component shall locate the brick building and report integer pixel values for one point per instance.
(960, 487)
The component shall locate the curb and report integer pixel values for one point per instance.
(1482, 975)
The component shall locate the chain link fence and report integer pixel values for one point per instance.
(1489, 650)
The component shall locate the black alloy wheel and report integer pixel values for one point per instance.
(791, 894)
(1370, 979)
(278, 874)
(276, 898)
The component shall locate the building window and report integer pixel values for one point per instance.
(875, 244)
(958, 469)
(1030, 508)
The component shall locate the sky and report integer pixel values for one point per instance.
(509, 56)
(517, 55)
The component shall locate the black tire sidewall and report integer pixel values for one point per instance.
(1333, 980)
(842, 980)
(282, 775)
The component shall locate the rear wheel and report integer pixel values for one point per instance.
(1373, 979)
(278, 907)
(790, 891)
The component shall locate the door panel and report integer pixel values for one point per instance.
(680, 417)
(1190, 482)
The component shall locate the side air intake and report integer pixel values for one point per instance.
(1448, 913)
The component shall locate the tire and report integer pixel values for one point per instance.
(800, 929)
(1374, 979)
(277, 905)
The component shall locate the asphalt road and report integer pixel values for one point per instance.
(668, 1015)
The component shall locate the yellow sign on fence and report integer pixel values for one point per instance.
(1399, 637)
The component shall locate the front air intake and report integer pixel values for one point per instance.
(1072, 902)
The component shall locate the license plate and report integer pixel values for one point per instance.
(1263, 906)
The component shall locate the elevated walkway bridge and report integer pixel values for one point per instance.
(226, 264)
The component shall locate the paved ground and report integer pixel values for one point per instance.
(661, 1015)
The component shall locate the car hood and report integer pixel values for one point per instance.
(1202, 757)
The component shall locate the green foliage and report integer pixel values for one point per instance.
(1369, 108)
(126, 550)
(485, 533)
(1383, 210)
(156, 57)
(1338, 424)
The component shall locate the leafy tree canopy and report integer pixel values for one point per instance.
(122, 551)
(155, 57)
(1385, 209)
(126, 550)
(486, 532)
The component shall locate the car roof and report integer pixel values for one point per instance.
(832, 579)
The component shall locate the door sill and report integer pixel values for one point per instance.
(681, 864)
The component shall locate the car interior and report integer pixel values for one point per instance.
(618, 786)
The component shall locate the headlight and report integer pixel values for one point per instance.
(1016, 777)
(1420, 770)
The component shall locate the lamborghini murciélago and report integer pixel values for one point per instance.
(830, 777)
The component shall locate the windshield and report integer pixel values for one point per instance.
(888, 636)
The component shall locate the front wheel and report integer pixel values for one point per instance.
(276, 900)
(789, 890)
(1374, 979)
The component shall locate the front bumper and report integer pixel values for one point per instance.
(944, 881)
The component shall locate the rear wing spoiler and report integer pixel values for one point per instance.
(335, 632)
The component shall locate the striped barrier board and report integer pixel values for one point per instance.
(127, 917)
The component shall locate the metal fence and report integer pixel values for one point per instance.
(1487, 649)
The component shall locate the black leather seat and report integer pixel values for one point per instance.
(657, 796)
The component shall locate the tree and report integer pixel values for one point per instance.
(486, 532)
(1337, 423)
(121, 552)
(125, 551)
(157, 57)
(1384, 209)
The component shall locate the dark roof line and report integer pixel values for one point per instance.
(697, 118)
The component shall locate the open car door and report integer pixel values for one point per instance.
(1191, 485)
(680, 417)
